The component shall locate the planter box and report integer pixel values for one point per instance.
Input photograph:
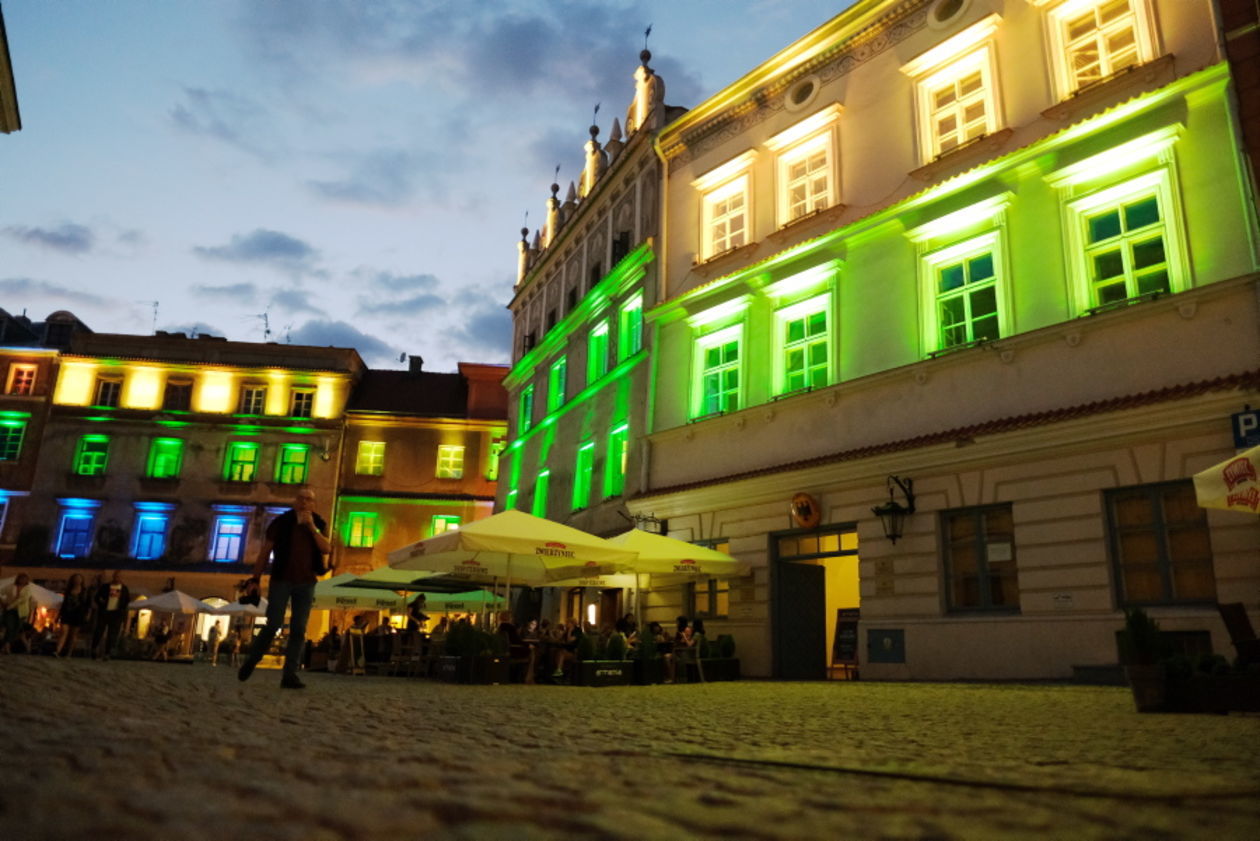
(1154, 691)
(604, 673)
(479, 670)
(719, 668)
(647, 672)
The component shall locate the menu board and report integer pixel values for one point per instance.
(844, 648)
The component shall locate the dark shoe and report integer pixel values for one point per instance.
(246, 669)
(291, 682)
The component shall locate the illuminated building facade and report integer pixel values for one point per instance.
(1003, 249)
(422, 455)
(578, 390)
(174, 453)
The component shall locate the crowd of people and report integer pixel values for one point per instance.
(94, 614)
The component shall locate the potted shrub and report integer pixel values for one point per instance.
(469, 657)
(1142, 650)
(720, 662)
(600, 668)
(649, 666)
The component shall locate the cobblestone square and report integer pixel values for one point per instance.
(147, 750)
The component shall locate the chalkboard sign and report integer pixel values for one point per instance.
(844, 649)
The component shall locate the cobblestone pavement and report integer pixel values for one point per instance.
(149, 750)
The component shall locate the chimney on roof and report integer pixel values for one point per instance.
(415, 364)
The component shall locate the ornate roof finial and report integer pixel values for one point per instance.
(644, 55)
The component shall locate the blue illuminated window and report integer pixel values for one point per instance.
(74, 539)
(228, 540)
(149, 536)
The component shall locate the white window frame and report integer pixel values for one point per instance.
(802, 140)
(1057, 14)
(369, 458)
(1144, 164)
(113, 385)
(630, 327)
(597, 358)
(792, 312)
(973, 49)
(14, 371)
(1157, 182)
(702, 344)
(302, 397)
(218, 533)
(253, 393)
(992, 242)
(450, 461)
(720, 184)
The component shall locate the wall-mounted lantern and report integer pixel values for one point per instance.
(892, 514)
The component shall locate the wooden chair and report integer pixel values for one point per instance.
(1241, 634)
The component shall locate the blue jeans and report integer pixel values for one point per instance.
(281, 594)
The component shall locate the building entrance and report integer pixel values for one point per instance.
(815, 577)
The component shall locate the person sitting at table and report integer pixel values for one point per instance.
(564, 645)
(684, 641)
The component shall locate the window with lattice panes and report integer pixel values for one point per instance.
(294, 462)
(450, 462)
(166, 456)
(979, 547)
(92, 455)
(1100, 40)
(958, 111)
(1161, 545)
(583, 471)
(303, 403)
(241, 461)
(12, 432)
(74, 537)
(228, 539)
(177, 396)
(525, 412)
(597, 352)
(21, 379)
(807, 181)
(253, 400)
(361, 530)
(806, 353)
(720, 377)
(369, 459)
(557, 378)
(108, 391)
(727, 221)
(1125, 249)
(630, 328)
(617, 457)
(442, 523)
(966, 300)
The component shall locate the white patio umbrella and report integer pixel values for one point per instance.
(513, 546)
(238, 609)
(658, 554)
(173, 602)
(331, 595)
(1234, 484)
(42, 596)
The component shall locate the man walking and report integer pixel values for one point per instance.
(111, 602)
(299, 540)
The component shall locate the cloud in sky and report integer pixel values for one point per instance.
(221, 115)
(18, 288)
(482, 334)
(390, 282)
(243, 292)
(323, 333)
(66, 238)
(414, 305)
(265, 247)
(295, 301)
(381, 177)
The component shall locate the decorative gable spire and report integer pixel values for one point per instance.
(522, 258)
(648, 108)
(596, 163)
(614, 145)
(551, 228)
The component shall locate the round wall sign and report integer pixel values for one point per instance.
(806, 512)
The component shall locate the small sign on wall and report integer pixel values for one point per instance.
(885, 645)
(1246, 428)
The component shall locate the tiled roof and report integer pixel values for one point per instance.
(1247, 380)
(425, 393)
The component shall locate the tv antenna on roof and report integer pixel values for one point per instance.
(153, 304)
(266, 320)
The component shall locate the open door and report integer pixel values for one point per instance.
(800, 623)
